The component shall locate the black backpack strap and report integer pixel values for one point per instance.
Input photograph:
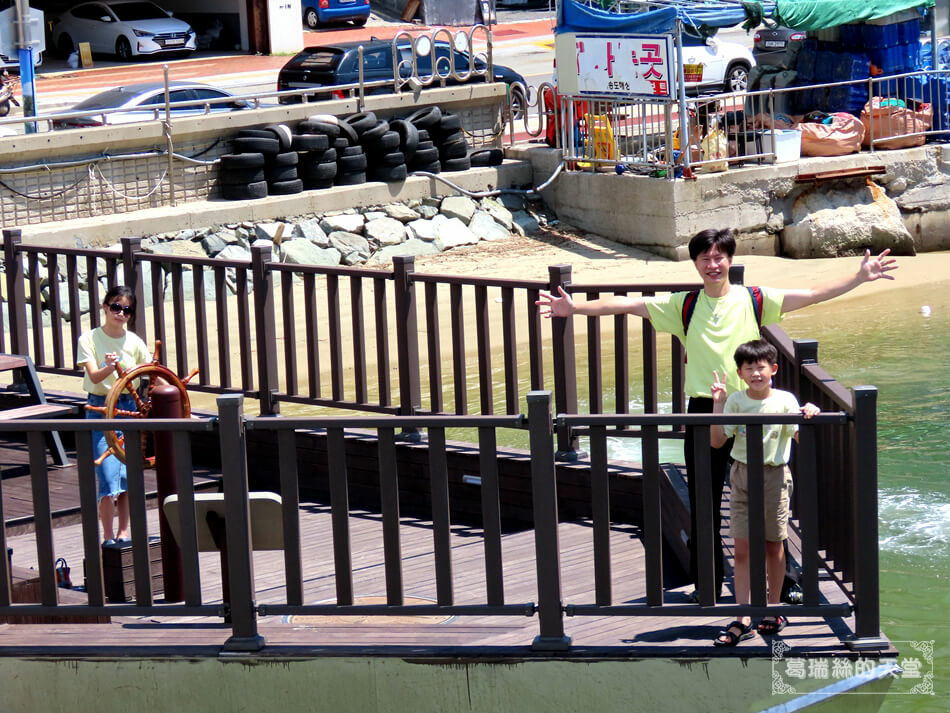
(757, 299)
(689, 305)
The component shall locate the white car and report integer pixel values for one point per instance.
(724, 65)
(125, 28)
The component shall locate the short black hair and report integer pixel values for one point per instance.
(755, 351)
(117, 291)
(705, 239)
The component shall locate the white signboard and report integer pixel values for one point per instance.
(615, 65)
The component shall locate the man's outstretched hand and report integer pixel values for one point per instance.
(876, 268)
(551, 306)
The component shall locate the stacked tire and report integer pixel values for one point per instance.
(425, 157)
(314, 143)
(261, 163)
(385, 162)
(453, 146)
(241, 176)
(351, 161)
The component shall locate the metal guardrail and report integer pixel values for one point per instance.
(640, 134)
(443, 71)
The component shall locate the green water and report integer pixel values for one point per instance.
(886, 341)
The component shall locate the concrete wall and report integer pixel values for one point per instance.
(293, 681)
(54, 197)
(661, 216)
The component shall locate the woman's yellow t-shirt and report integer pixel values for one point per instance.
(95, 344)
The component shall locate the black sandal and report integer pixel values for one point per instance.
(731, 637)
(771, 625)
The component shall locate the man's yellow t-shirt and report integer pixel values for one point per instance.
(95, 344)
(718, 326)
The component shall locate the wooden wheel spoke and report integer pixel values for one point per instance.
(154, 370)
(129, 414)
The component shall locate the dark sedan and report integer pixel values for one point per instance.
(777, 46)
(334, 65)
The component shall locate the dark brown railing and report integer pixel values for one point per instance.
(258, 306)
(246, 602)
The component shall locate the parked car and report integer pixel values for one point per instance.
(140, 102)
(725, 65)
(323, 12)
(125, 28)
(330, 65)
(777, 45)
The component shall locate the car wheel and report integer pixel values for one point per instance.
(311, 18)
(518, 104)
(359, 22)
(66, 46)
(737, 78)
(123, 50)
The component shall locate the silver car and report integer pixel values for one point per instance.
(146, 101)
(125, 28)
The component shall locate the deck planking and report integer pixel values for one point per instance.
(17, 488)
(625, 636)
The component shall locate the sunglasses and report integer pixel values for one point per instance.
(116, 308)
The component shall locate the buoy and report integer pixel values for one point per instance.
(925, 310)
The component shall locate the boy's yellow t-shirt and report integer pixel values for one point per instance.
(95, 344)
(776, 438)
(718, 326)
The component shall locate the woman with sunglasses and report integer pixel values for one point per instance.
(100, 349)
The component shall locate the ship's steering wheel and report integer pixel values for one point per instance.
(125, 384)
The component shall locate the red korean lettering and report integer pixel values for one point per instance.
(651, 54)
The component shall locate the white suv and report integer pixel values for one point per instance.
(125, 28)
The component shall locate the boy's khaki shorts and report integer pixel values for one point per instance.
(778, 494)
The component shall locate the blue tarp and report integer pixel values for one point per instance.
(575, 17)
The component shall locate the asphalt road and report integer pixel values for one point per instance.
(531, 53)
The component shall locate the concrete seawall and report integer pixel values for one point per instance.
(761, 202)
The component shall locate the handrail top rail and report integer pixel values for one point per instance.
(332, 270)
(111, 424)
(698, 419)
(828, 386)
(479, 281)
(270, 423)
(580, 287)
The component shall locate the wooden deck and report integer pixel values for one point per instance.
(63, 489)
(423, 635)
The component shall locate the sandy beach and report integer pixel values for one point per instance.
(598, 260)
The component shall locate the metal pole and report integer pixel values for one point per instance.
(166, 403)
(681, 80)
(27, 75)
(169, 145)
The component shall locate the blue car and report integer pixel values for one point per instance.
(323, 12)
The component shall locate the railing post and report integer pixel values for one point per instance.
(16, 291)
(565, 371)
(806, 352)
(867, 605)
(263, 281)
(544, 499)
(737, 274)
(237, 523)
(132, 277)
(407, 340)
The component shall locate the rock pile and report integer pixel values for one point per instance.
(371, 235)
(353, 237)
